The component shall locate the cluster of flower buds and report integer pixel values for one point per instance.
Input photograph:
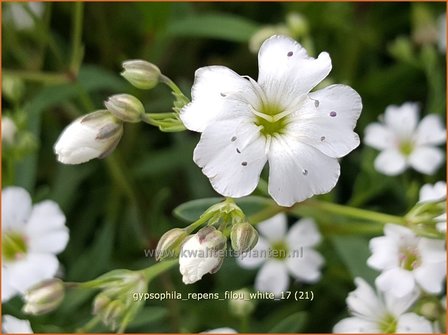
(425, 217)
(45, 297)
(204, 252)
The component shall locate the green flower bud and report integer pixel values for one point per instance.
(257, 39)
(241, 305)
(141, 74)
(44, 297)
(125, 107)
(170, 243)
(297, 24)
(243, 237)
(13, 88)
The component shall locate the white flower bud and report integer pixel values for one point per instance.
(44, 297)
(243, 237)
(169, 244)
(202, 253)
(125, 107)
(141, 74)
(9, 130)
(241, 306)
(92, 136)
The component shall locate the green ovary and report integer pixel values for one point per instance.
(409, 259)
(388, 324)
(13, 246)
(279, 250)
(406, 148)
(270, 127)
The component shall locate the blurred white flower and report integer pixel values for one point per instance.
(20, 17)
(407, 261)
(9, 130)
(12, 325)
(442, 33)
(404, 142)
(223, 330)
(435, 192)
(91, 136)
(281, 252)
(201, 253)
(245, 123)
(381, 313)
(31, 237)
(262, 34)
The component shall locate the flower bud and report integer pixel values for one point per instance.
(297, 24)
(257, 39)
(13, 88)
(44, 297)
(109, 311)
(141, 74)
(202, 253)
(9, 130)
(125, 107)
(169, 244)
(241, 305)
(95, 135)
(243, 237)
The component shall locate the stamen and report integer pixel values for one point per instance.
(233, 139)
(289, 54)
(238, 150)
(244, 163)
(322, 138)
(223, 95)
(305, 172)
(333, 114)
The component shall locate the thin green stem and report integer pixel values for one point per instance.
(77, 52)
(38, 76)
(89, 325)
(156, 269)
(171, 84)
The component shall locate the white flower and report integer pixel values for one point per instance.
(283, 253)
(201, 253)
(435, 192)
(403, 142)
(20, 17)
(31, 237)
(442, 33)
(224, 330)
(380, 313)
(92, 136)
(12, 325)
(9, 130)
(245, 124)
(407, 260)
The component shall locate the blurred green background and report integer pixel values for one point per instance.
(119, 206)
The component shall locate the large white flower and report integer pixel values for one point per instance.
(404, 142)
(245, 124)
(381, 313)
(435, 192)
(12, 325)
(281, 252)
(407, 260)
(31, 237)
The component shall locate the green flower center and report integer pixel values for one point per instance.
(13, 246)
(388, 324)
(279, 250)
(409, 258)
(406, 147)
(272, 119)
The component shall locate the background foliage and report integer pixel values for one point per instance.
(118, 207)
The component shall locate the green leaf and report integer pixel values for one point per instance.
(148, 315)
(354, 252)
(291, 324)
(222, 26)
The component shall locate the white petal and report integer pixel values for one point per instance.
(287, 72)
(390, 162)
(303, 233)
(298, 171)
(413, 323)
(307, 268)
(364, 301)
(355, 325)
(402, 120)
(254, 258)
(434, 192)
(8, 291)
(232, 156)
(426, 159)
(223, 330)
(46, 231)
(379, 137)
(431, 131)
(326, 120)
(31, 270)
(212, 88)
(432, 250)
(12, 325)
(384, 253)
(16, 208)
(396, 281)
(397, 232)
(399, 305)
(430, 277)
(274, 229)
(272, 277)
